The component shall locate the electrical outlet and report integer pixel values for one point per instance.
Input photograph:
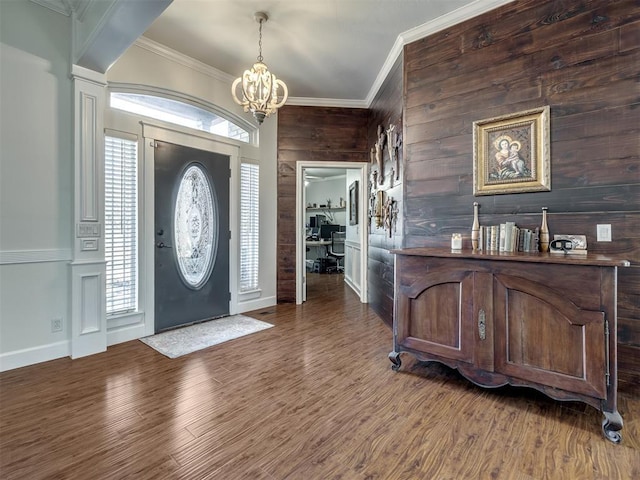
(56, 325)
(604, 232)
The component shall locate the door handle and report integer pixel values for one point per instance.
(162, 245)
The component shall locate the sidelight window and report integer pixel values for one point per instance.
(121, 224)
(249, 226)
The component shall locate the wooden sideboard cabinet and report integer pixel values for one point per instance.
(537, 320)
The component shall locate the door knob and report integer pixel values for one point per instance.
(162, 245)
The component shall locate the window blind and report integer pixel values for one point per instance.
(249, 226)
(121, 224)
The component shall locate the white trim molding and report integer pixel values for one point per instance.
(88, 269)
(58, 6)
(12, 257)
(184, 60)
(363, 250)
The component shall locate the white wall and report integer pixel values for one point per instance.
(36, 173)
(319, 191)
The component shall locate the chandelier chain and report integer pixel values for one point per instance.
(260, 43)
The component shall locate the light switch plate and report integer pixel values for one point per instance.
(604, 232)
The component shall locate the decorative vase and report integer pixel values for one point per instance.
(475, 228)
(544, 232)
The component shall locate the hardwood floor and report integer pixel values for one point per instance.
(312, 398)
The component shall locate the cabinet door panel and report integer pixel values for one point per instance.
(437, 314)
(556, 344)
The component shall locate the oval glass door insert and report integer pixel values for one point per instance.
(195, 227)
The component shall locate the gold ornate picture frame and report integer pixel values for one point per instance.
(511, 153)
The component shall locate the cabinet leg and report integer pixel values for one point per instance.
(395, 359)
(611, 426)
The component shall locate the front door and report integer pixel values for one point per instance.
(191, 235)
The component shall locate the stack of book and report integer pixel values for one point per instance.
(507, 237)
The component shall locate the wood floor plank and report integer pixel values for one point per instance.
(312, 398)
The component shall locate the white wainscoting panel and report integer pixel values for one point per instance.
(352, 267)
(88, 314)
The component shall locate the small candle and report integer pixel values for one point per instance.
(456, 241)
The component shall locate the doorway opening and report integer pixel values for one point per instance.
(330, 216)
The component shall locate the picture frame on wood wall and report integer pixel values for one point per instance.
(511, 153)
(353, 203)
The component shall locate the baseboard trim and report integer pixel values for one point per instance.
(353, 286)
(31, 356)
(125, 334)
(256, 304)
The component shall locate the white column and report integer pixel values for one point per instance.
(87, 270)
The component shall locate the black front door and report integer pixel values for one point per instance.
(191, 235)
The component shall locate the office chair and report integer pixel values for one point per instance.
(336, 250)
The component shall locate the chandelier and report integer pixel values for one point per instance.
(259, 86)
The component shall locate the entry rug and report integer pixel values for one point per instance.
(180, 341)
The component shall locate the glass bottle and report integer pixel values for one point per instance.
(544, 232)
(475, 228)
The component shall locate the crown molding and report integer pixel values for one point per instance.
(326, 102)
(66, 7)
(58, 6)
(173, 55)
(445, 21)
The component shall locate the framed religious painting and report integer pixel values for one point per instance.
(511, 153)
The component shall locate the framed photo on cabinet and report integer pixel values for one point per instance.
(511, 153)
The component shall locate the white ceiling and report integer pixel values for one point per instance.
(322, 49)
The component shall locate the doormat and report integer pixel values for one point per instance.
(184, 340)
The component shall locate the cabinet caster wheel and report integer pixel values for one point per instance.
(611, 426)
(395, 359)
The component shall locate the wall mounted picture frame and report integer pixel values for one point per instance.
(511, 153)
(353, 203)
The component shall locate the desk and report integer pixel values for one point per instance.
(317, 243)
(315, 247)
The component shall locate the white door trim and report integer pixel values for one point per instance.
(300, 223)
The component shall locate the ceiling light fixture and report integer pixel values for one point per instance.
(259, 86)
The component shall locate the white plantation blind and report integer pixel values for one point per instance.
(249, 226)
(121, 224)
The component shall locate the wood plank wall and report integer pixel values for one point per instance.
(310, 134)
(386, 110)
(582, 59)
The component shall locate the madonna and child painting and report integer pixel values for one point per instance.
(511, 153)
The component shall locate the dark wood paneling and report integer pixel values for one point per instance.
(386, 110)
(310, 134)
(581, 58)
